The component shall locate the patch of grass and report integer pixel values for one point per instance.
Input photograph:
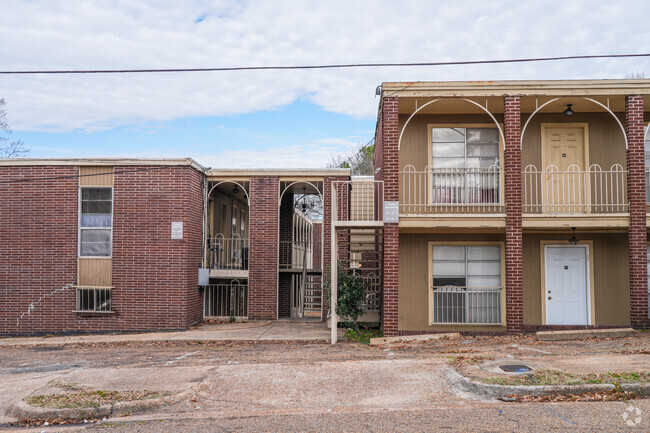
(364, 335)
(556, 377)
(87, 399)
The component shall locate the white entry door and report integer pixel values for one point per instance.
(567, 285)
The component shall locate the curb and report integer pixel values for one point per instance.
(22, 411)
(410, 338)
(496, 391)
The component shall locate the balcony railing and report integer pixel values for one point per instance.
(574, 191)
(466, 305)
(435, 191)
(357, 201)
(296, 255)
(226, 300)
(228, 253)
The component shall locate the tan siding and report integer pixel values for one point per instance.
(606, 141)
(611, 277)
(101, 180)
(413, 281)
(94, 272)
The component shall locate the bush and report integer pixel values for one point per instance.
(351, 293)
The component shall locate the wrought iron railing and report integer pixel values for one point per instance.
(228, 253)
(435, 191)
(357, 201)
(574, 191)
(226, 300)
(296, 255)
(466, 305)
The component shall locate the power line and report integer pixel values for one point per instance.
(72, 176)
(327, 66)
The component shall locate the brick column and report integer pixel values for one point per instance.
(514, 249)
(263, 254)
(390, 170)
(636, 196)
(285, 236)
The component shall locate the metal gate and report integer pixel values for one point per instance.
(225, 300)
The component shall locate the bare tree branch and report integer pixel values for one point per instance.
(361, 161)
(9, 148)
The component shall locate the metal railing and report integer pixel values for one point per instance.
(372, 299)
(295, 255)
(226, 300)
(574, 191)
(357, 201)
(450, 190)
(94, 300)
(466, 305)
(228, 253)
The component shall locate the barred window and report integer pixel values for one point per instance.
(94, 300)
(466, 284)
(95, 222)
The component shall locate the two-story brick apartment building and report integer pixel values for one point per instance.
(522, 204)
(91, 245)
(495, 206)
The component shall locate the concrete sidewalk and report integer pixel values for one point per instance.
(248, 331)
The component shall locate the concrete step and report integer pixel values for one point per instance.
(578, 334)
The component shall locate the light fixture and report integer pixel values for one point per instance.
(235, 190)
(573, 240)
(568, 111)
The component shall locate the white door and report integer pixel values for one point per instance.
(567, 285)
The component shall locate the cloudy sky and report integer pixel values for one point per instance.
(274, 118)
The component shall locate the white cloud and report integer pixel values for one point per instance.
(70, 34)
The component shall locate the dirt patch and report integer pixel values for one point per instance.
(556, 377)
(85, 399)
(588, 396)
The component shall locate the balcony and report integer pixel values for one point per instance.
(553, 192)
(450, 191)
(228, 257)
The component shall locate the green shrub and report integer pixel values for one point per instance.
(350, 296)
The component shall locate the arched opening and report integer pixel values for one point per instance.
(573, 157)
(300, 250)
(227, 249)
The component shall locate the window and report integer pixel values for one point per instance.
(466, 284)
(96, 222)
(465, 165)
(94, 300)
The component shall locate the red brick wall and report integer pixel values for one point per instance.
(155, 278)
(390, 170)
(284, 280)
(514, 250)
(263, 256)
(636, 195)
(317, 236)
(38, 250)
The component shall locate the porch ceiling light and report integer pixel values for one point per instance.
(235, 190)
(568, 111)
(573, 240)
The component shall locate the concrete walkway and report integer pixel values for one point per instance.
(249, 331)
